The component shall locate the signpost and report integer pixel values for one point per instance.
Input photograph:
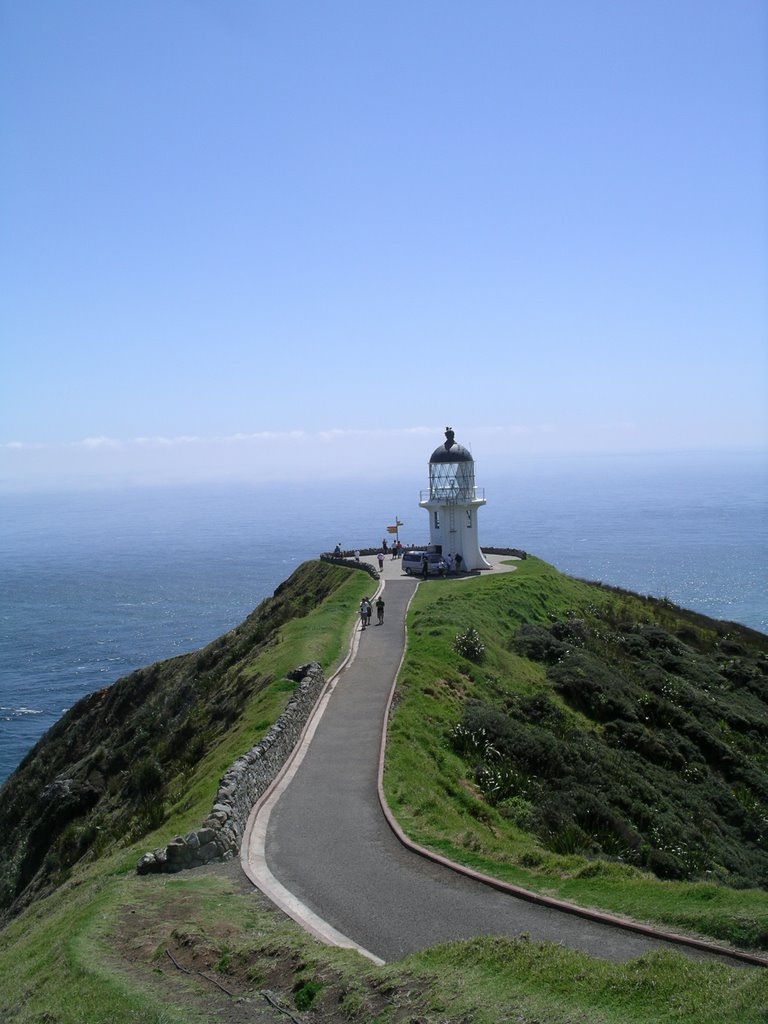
(394, 529)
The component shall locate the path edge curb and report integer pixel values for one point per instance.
(267, 883)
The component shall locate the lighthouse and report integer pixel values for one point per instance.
(453, 502)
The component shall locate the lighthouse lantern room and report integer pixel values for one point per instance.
(453, 501)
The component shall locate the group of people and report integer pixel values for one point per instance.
(366, 610)
(451, 563)
(397, 548)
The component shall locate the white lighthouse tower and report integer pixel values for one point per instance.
(453, 502)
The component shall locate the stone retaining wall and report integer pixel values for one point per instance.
(350, 563)
(242, 785)
(515, 552)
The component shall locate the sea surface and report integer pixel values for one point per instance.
(95, 584)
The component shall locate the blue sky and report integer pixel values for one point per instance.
(299, 238)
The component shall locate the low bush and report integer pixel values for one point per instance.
(146, 778)
(469, 645)
(537, 643)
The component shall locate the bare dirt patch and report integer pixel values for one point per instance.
(234, 974)
(165, 946)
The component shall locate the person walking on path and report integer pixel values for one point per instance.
(380, 557)
(424, 567)
(380, 609)
(365, 613)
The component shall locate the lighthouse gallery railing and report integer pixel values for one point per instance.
(453, 494)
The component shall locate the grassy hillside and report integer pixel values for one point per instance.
(149, 750)
(101, 944)
(98, 953)
(589, 742)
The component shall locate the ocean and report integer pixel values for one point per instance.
(95, 584)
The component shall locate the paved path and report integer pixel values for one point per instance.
(330, 847)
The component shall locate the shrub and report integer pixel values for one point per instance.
(592, 686)
(537, 643)
(573, 631)
(566, 840)
(470, 742)
(502, 782)
(538, 709)
(147, 778)
(469, 645)
(519, 811)
(73, 842)
(665, 865)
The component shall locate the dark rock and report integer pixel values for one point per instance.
(176, 850)
(147, 864)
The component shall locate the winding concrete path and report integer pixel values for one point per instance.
(321, 847)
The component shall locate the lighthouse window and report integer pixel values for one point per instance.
(469, 518)
(437, 520)
(451, 480)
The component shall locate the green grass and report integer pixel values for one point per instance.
(94, 950)
(495, 979)
(64, 962)
(435, 795)
(56, 968)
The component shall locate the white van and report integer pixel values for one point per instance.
(412, 562)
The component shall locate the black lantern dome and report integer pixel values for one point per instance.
(451, 472)
(450, 451)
